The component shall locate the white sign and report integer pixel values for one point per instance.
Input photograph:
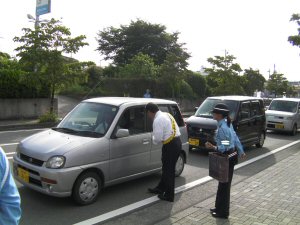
(42, 7)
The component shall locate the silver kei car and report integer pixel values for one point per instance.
(283, 114)
(101, 142)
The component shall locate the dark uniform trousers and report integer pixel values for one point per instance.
(223, 195)
(170, 154)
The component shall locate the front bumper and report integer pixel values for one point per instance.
(41, 178)
(280, 125)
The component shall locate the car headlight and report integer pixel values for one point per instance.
(56, 162)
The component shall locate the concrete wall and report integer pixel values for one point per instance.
(24, 108)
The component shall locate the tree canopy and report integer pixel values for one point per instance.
(295, 39)
(121, 44)
(41, 52)
(253, 81)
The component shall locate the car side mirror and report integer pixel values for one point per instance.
(196, 108)
(122, 133)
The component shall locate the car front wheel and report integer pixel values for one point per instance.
(294, 131)
(87, 188)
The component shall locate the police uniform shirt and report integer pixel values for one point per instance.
(162, 128)
(10, 211)
(228, 134)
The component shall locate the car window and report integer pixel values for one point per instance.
(284, 106)
(245, 111)
(206, 108)
(255, 109)
(133, 119)
(177, 115)
(164, 108)
(89, 117)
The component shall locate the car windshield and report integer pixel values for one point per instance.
(88, 119)
(284, 106)
(205, 109)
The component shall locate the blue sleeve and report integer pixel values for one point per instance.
(222, 135)
(237, 142)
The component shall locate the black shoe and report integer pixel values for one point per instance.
(164, 198)
(155, 190)
(213, 210)
(217, 215)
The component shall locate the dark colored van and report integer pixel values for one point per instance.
(248, 119)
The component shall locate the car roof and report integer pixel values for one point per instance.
(288, 99)
(118, 101)
(235, 98)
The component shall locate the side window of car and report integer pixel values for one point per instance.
(133, 119)
(255, 109)
(245, 111)
(177, 115)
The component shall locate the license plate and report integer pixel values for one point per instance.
(23, 174)
(279, 126)
(194, 142)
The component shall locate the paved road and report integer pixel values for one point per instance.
(42, 209)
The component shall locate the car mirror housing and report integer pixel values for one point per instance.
(122, 133)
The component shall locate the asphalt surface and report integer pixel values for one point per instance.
(41, 209)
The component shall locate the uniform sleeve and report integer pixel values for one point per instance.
(157, 132)
(237, 142)
(222, 135)
(3, 168)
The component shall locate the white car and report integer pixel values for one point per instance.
(283, 114)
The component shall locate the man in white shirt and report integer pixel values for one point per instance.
(165, 131)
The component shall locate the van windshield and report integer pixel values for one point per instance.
(284, 106)
(88, 119)
(206, 108)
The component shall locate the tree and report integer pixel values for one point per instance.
(121, 44)
(253, 81)
(173, 70)
(295, 39)
(277, 84)
(41, 52)
(197, 83)
(140, 65)
(223, 77)
(94, 75)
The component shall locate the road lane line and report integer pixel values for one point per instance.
(147, 201)
(14, 131)
(9, 144)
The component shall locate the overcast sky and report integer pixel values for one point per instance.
(254, 31)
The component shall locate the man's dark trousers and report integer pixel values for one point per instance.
(222, 203)
(170, 154)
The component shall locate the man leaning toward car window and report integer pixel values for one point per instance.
(166, 132)
(10, 210)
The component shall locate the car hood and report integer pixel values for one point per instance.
(201, 122)
(49, 143)
(278, 113)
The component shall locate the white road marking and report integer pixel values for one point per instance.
(9, 144)
(14, 131)
(147, 201)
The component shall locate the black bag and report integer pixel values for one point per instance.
(219, 166)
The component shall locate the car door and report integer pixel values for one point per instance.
(155, 158)
(244, 127)
(257, 118)
(298, 115)
(130, 155)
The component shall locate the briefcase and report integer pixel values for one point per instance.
(219, 166)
